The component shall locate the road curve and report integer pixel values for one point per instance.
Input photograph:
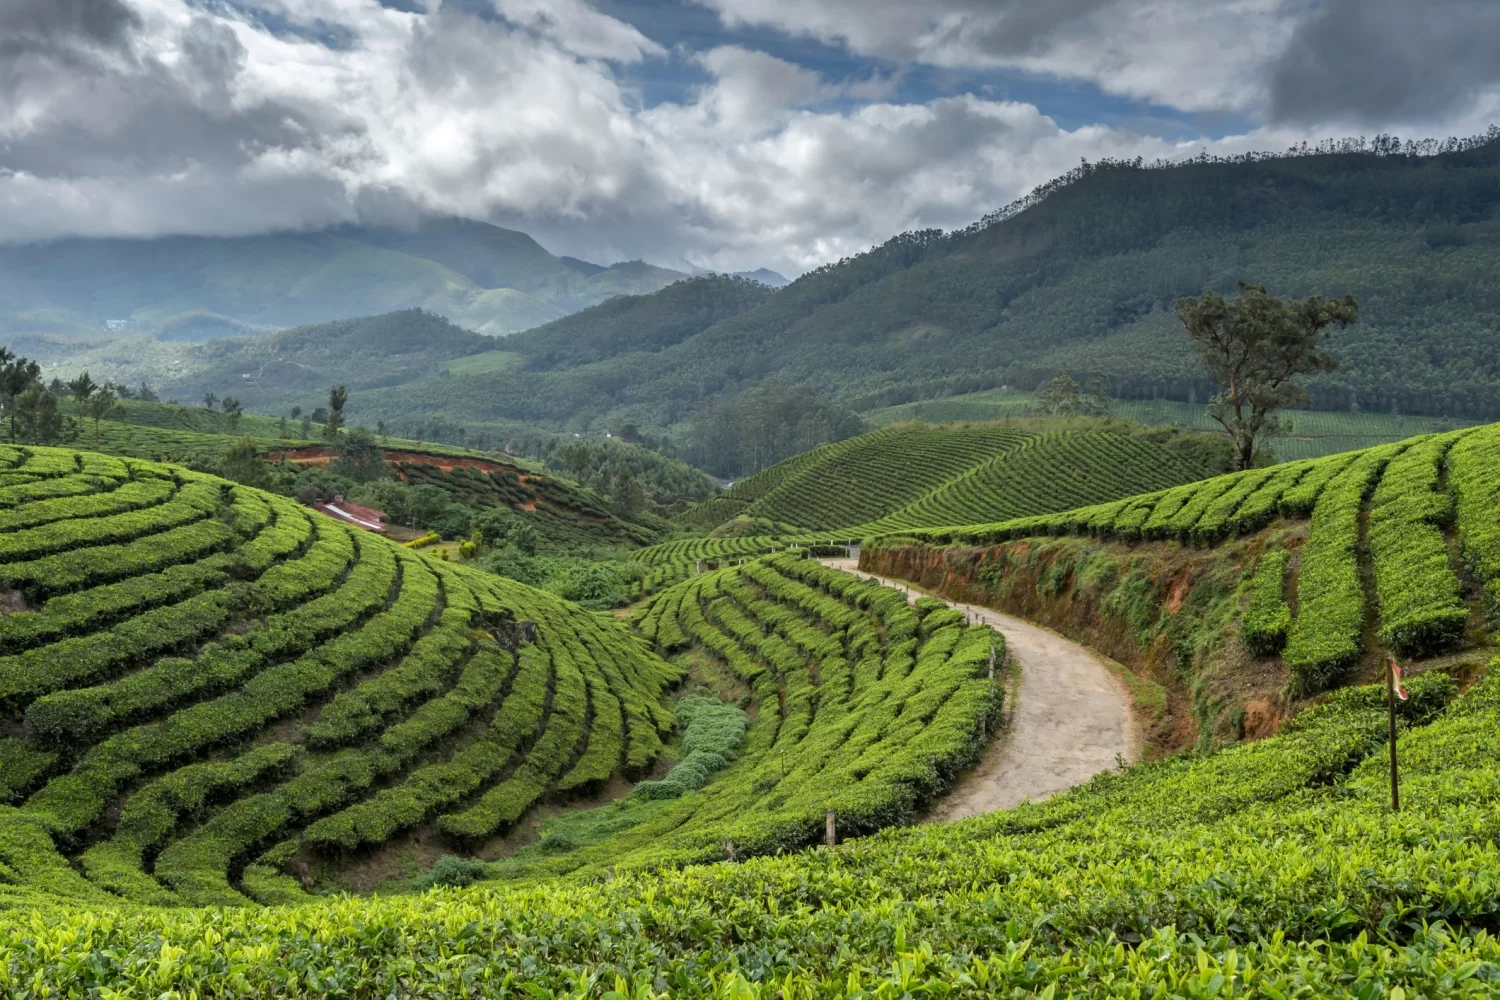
(1067, 718)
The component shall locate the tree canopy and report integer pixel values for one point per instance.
(1254, 347)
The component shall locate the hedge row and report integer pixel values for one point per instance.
(1265, 625)
(83, 715)
(71, 802)
(1422, 611)
(553, 751)
(134, 495)
(1325, 639)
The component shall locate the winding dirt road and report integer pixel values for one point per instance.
(1067, 718)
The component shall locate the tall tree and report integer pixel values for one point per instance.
(627, 497)
(337, 397)
(232, 412)
(243, 464)
(576, 456)
(37, 416)
(1060, 397)
(100, 404)
(359, 457)
(1254, 347)
(209, 399)
(82, 388)
(17, 374)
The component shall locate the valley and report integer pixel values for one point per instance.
(1098, 599)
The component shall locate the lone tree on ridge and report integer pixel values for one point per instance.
(1254, 347)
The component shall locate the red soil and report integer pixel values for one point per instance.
(319, 456)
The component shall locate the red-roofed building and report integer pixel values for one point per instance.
(367, 518)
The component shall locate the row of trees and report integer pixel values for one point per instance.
(32, 410)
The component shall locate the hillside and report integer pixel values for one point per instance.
(1085, 277)
(930, 475)
(1307, 433)
(566, 515)
(1253, 589)
(176, 643)
(1270, 866)
(493, 280)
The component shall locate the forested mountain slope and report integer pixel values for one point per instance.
(181, 648)
(1086, 278)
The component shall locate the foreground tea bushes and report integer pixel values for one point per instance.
(863, 705)
(1270, 869)
(204, 673)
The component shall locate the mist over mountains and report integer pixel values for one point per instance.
(488, 279)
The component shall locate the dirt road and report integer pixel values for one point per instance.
(1067, 718)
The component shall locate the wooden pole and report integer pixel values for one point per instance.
(992, 658)
(1390, 701)
(831, 833)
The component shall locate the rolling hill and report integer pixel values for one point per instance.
(1305, 433)
(493, 280)
(177, 643)
(930, 475)
(1271, 866)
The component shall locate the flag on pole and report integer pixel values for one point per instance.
(1396, 677)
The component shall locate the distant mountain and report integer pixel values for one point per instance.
(493, 280)
(1082, 276)
(764, 275)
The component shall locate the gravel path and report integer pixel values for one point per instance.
(1067, 718)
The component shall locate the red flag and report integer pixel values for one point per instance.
(1396, 677)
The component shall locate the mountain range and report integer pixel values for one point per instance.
(1084, 276)
(488, 279)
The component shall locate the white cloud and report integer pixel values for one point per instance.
(1194, 55)
(166, 119)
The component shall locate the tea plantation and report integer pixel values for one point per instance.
(209, 689)
(995, 468)
(1408, 518)
(920, 476)
(202, 682)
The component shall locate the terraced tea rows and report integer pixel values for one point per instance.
(1046, 472)
(864, 478)
(1273, 868)
(882, 482)
(203, 682)
(1395, 488)
(863, 705)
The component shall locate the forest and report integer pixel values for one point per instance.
(1082, 276)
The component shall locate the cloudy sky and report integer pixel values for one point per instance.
(719, 133)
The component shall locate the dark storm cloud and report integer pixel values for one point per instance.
(121, 116)
(1383, 61)
(43, 24)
